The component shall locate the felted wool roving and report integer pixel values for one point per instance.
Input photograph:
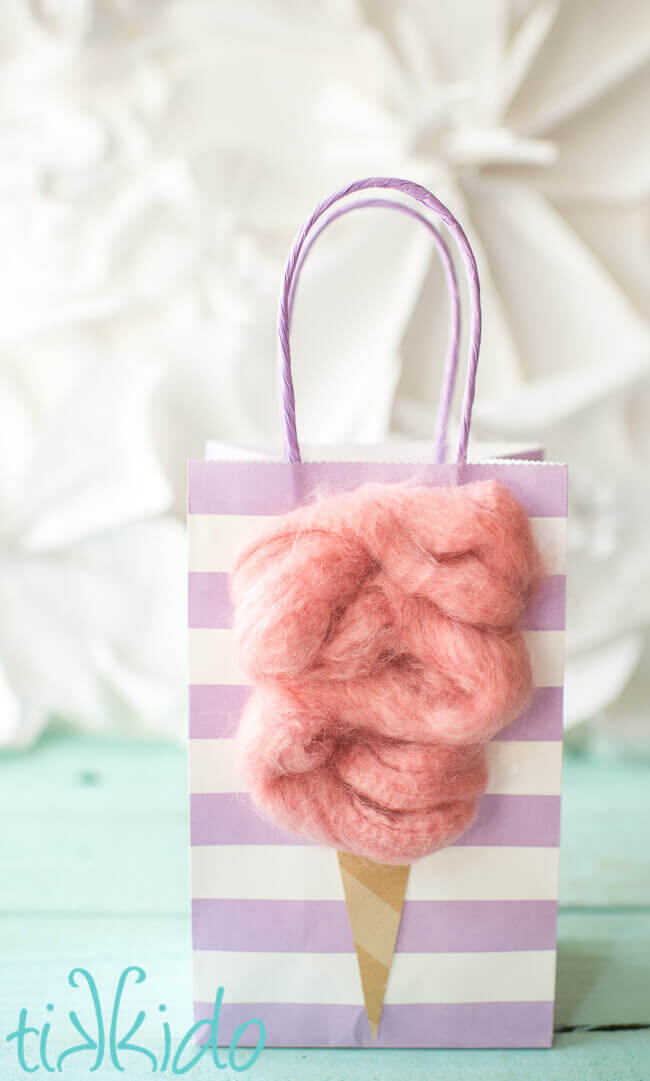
(379, 629)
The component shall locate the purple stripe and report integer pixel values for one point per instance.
(547, 610)
(276, 487)
(209, 603)
(541, 721)
(208, 599)
(230, 818)
(463, 1024)
(215, 711)
(324, 926)
(515, 820)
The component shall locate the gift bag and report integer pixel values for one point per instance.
(376, 667)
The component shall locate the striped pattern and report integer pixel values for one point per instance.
(215, 540)
(214, 712)
(515, 768)
(475, 951)
(426, 926)
(268, 488)
(311, 873)
(458, 1024)
(333, 978)
(213, 656)
(225, 818)
(209, 605)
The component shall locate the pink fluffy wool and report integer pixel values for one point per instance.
(379, 627)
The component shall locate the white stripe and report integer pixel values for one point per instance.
(515, 768)
(311, 873)
(212, 657)
(525, 768)
(550, 538)
(546, 649)
(215, 540)
(333, 978)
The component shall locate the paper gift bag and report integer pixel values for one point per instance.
(327, 948)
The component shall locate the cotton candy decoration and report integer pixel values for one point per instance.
(379, 628)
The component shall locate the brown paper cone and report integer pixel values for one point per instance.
(374, 894)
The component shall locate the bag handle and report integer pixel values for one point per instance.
(421, 195)
(453, 340)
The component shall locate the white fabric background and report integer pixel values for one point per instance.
(157, 157)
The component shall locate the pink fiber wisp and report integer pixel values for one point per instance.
(379, 627)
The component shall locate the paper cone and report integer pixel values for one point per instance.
(374, 894)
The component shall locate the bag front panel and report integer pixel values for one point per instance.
(475, 958)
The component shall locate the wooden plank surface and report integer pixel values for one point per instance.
(94, 866)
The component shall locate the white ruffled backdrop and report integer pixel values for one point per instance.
(157, 157)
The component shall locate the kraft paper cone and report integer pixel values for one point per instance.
(374, 895)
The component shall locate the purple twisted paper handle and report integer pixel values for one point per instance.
(422, 195)
(451, 359)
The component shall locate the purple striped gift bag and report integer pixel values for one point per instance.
(474, 957)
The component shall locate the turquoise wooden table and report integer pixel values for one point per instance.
(93, 873)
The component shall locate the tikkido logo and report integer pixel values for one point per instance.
(113, 1043)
